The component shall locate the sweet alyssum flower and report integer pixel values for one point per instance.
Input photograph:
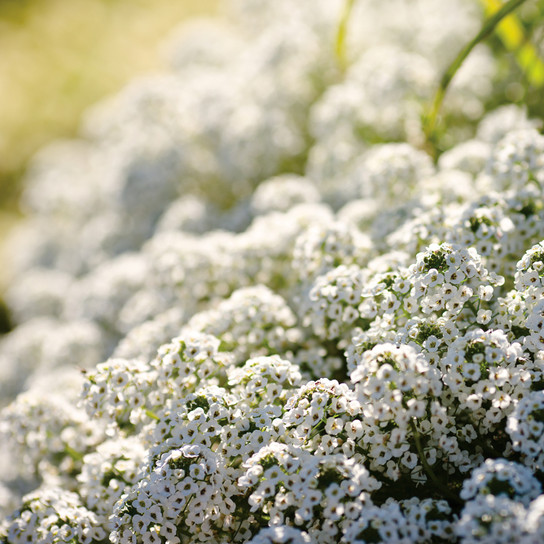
(294, 324)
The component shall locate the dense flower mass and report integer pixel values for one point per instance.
(252, 308)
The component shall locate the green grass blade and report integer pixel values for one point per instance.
(488, 27)
(340, 44)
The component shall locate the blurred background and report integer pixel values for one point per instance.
(59, 56)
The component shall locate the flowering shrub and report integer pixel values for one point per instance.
(252, 308)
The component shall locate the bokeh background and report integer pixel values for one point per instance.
(59, 56)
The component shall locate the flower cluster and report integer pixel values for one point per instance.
(289, 485)
(52, 515)
(525, 427)
(48, 435)
(252, 321)
(399, 393)
(184, 495)
(293, 324)
(411, 520)
(488, 375)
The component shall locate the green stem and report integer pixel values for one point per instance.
(340, 44)
(487, 28)
(471, 307)
(441, 486)
(237, 530)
